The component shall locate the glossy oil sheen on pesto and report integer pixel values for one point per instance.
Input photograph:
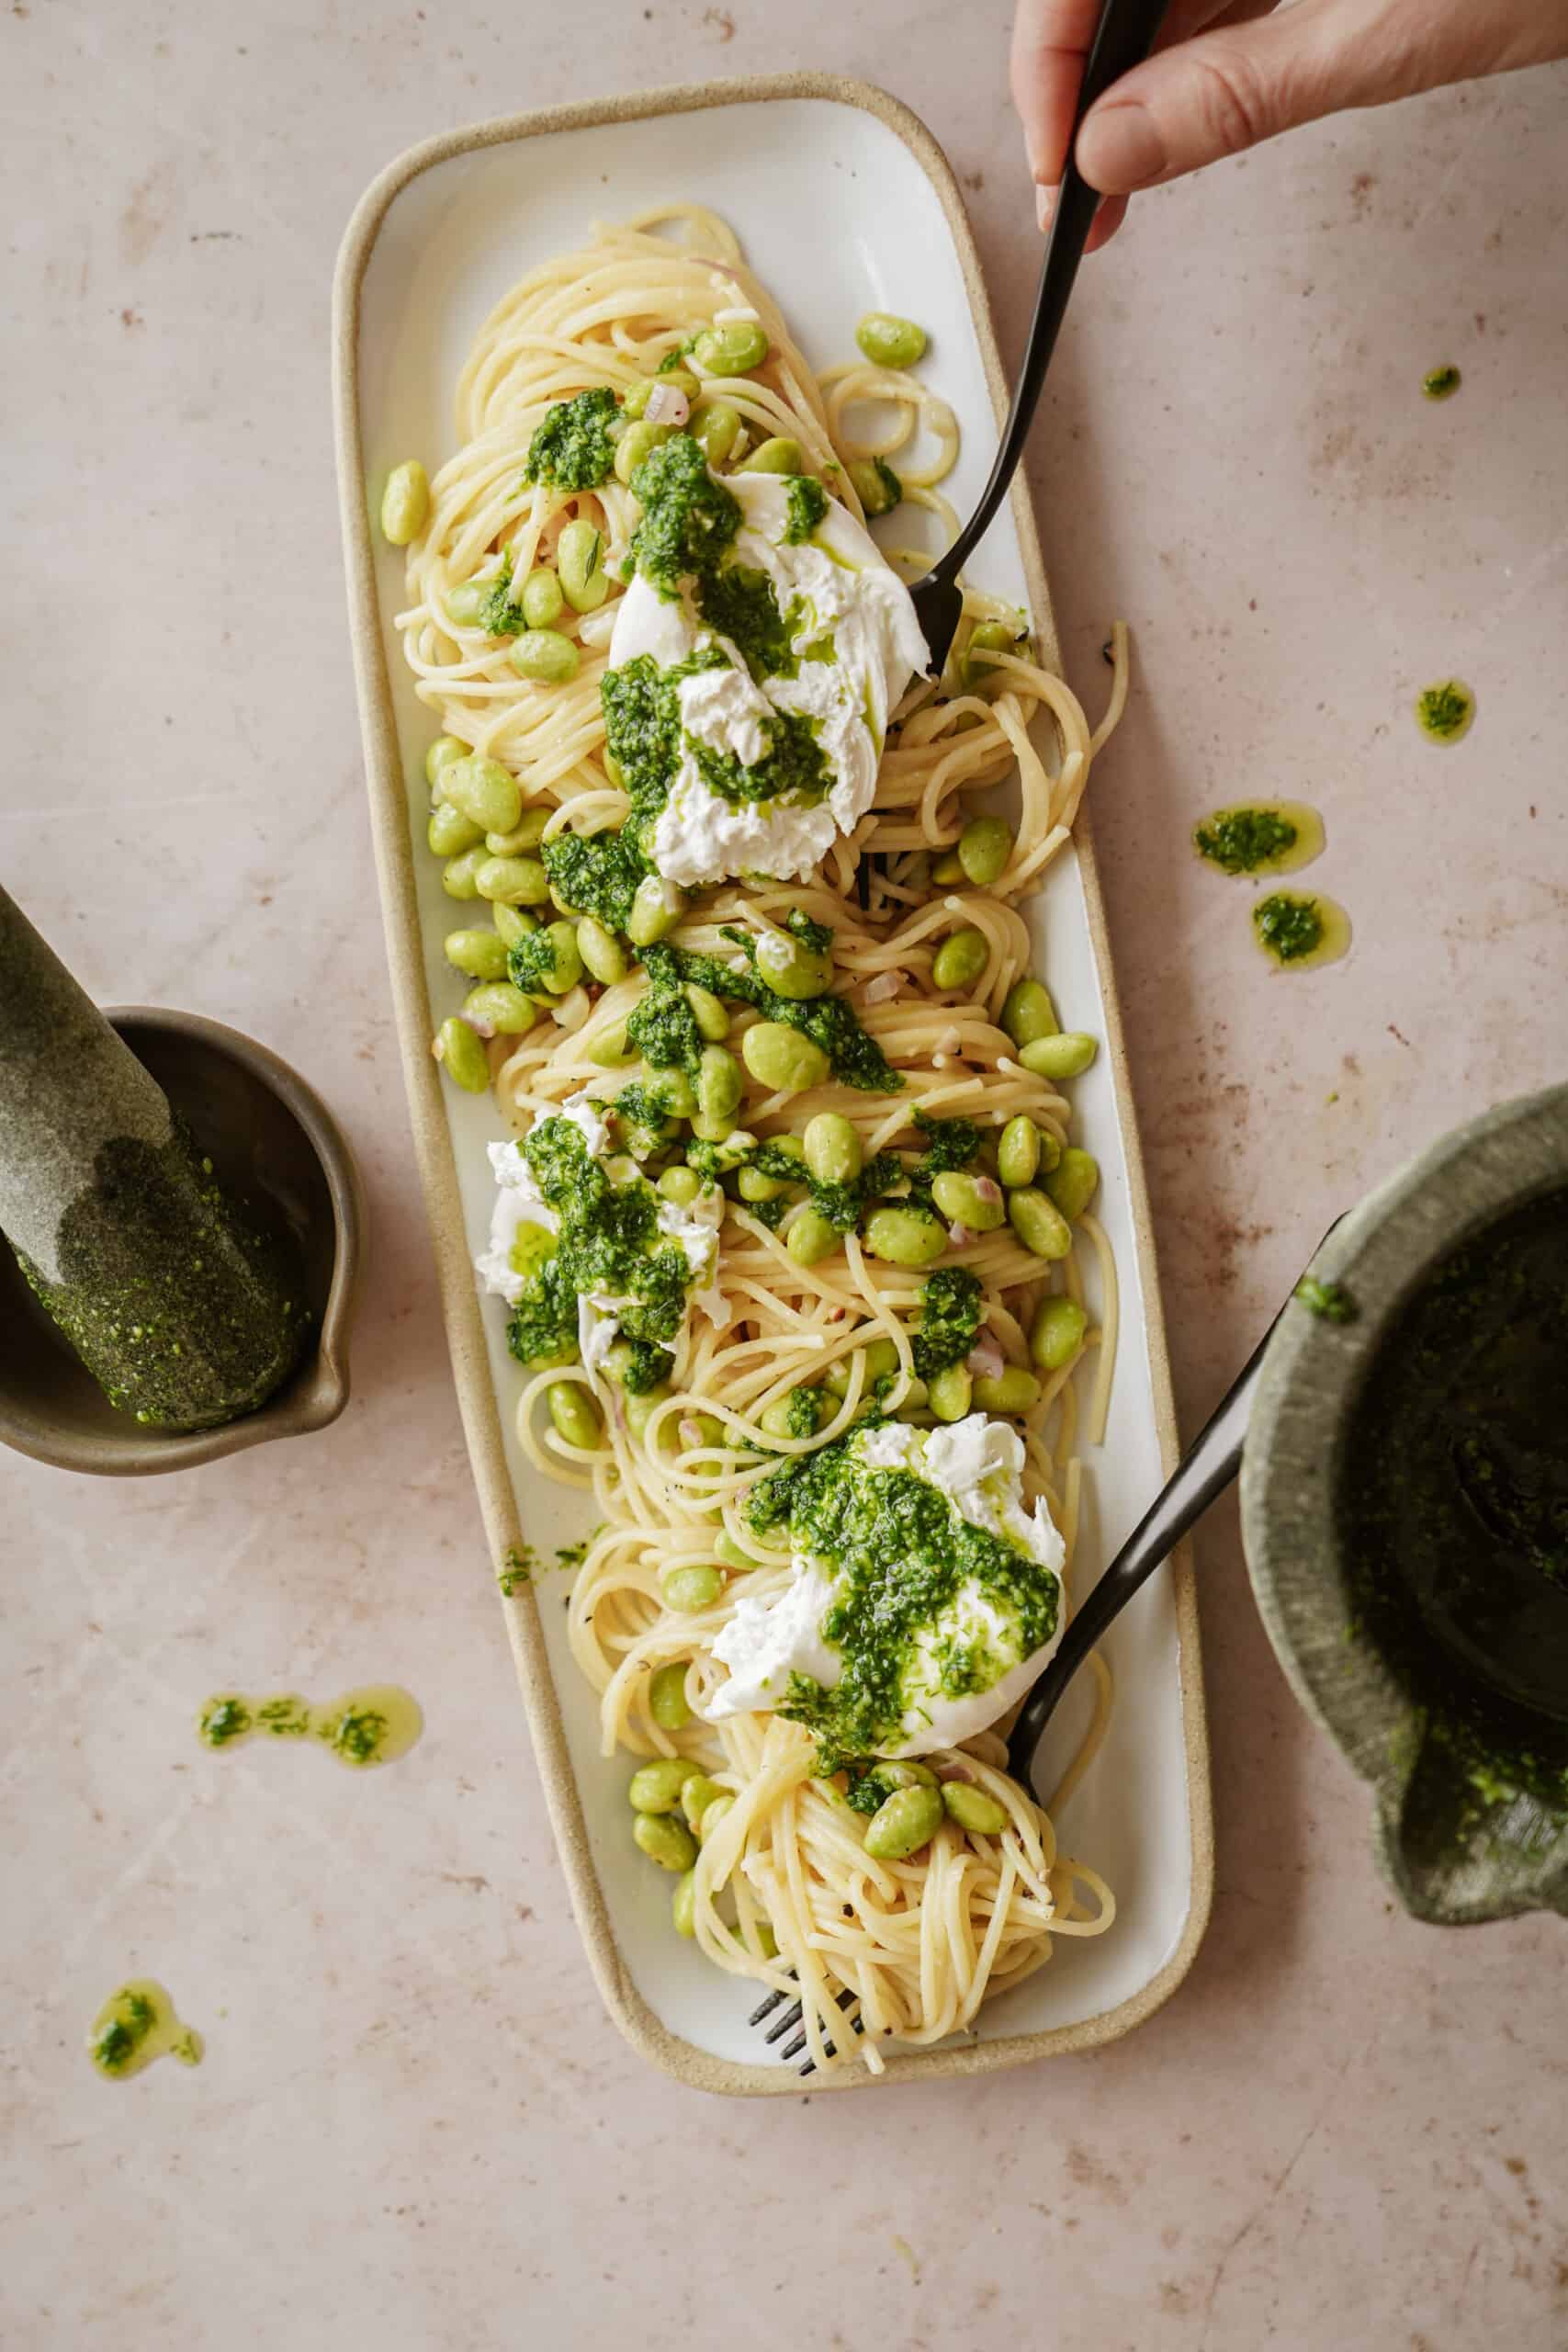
(136, 2025)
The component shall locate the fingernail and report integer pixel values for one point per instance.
(1045, 206)
(1125, 150)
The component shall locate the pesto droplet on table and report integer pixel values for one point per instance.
(137, 2024)
(1261, 837)
(1444, 712)
(374, 1724)
(1299, 932)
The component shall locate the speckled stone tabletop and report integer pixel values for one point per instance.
(414, 2127)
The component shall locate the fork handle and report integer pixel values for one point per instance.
(1123, 38)
(1204, 1471)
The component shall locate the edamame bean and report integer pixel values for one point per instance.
(1066, 1055)
(1056, 1333)
(991, 636)
(782, 1059)
(973, 1809)
(877, 487)
(908, 1820)
(480, 954)
(445, 749)
(564, 968)
(778, 455)
(708, 1820)
(450, 832)
(732, 1554)
(698, 1794)
(600, 951)
(541, 599)
(526, 833)
(731, 350)
(1012, 1391)
(1050, 1151)
(488, 794)
(466, 601)
(675, 1092)
(667, 1700)
(811, 1238)
(614, 1051)
(946, 869)
(579, 566)
(889, 341)
(461, 1054)
(1017, 1151)
(1038, 1222)
(715, 426)
(544, 655)
(634, 400)
(656, 1788)
(1071, 1184)
(792, 969)
(752, 1185)
(962, 958)
(780, 1415)
(905, 1237)
(497, 1005)
(575, 1414)
(684, 1903)
(948, 1393)
(664, 1841)
(656, 906)
(405, 503)
(459, 876)
(834, 1153)
(519, 881)
(974, 1201)
(689, 1590)
(720, 1085)
(765, 1943)
(881, 1358)
(984, 848)
(681, 1184)
(512, 923)
(708, 1013)
(638, 442)
(1028, 1013)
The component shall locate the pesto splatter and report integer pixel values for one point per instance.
(137, 2024)
(1331, 1302)
(1441, 383)
(1239, 841)
(1444, 712)
(573, 448)
(1288, 927)
(374, 1724)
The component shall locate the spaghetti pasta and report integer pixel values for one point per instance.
(782, 1890)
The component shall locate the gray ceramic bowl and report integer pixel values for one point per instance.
(1458, 1844)
(266, 1131)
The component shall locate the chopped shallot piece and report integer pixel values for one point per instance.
(667, 404)
(960, 1236)
(949, 1042)
(485, 1029)
(885, 984)
(956, 1770)
(691, 1430)
(988, 1190)
(984, 1359)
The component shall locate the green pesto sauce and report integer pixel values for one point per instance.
(856, 1058)
(516, 1568)
(596, 874)
(688, 518)
(374, 1724)
(1331, 1302)
(1440, 383)
(1454, 1499)
(137, 2024)
(807, 503)
(901, 1553)
(1444, 712)
(739, 603)
(1241, 839)
(608, 1241)
(187, 1315)
(499, 617)
(950, 1317)
(572, 448)
(1288, 927)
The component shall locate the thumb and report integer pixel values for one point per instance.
(1225, 90)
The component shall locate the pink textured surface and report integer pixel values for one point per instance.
(414, 2125)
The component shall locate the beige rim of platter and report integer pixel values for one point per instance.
(476, 1392)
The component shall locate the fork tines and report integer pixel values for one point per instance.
(792, 2022)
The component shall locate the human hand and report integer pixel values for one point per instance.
(1224, 76)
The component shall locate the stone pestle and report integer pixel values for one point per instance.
(186, 1312)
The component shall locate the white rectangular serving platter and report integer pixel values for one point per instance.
(843, 203)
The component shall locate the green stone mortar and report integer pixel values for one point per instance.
(1458, 1846)
(142, 1132)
